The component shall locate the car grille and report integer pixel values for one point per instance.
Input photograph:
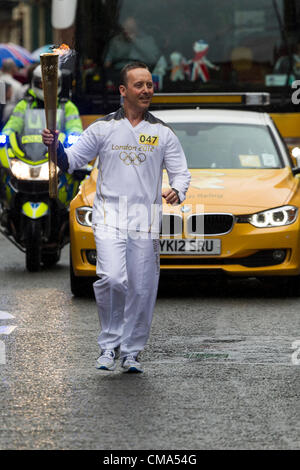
(209, 224)
(171, 225)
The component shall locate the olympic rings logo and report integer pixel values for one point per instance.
(132, 158)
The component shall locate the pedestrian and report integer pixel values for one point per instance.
(8, 70)
(133, 147)
(5, 96)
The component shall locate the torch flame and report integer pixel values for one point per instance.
(61, 50)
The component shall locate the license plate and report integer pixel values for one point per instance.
(187, 247)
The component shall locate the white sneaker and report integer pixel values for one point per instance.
(131, 364)
(106, 360)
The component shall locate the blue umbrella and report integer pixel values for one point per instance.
(42, 50)
(19, 54)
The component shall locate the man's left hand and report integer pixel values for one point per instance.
(170, 196)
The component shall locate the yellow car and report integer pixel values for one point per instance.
(241, 214)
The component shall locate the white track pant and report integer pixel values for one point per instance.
(126, 292)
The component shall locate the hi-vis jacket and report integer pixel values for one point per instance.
(17, 123)
(131, 160)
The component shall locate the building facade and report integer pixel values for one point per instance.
(26, 23)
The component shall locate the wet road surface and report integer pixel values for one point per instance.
(221, 368)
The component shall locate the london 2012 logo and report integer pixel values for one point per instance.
(132, 158)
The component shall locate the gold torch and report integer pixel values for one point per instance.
(49, 65)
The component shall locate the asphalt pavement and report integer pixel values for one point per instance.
(222, 367)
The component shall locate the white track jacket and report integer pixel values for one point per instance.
(131, 163)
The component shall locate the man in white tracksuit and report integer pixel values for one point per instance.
(133, 148)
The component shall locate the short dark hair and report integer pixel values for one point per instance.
(130, 66)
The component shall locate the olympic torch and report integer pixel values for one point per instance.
(49, 65)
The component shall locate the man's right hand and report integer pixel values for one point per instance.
(48, 137)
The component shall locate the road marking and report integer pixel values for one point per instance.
(223, 363)
(5, 330)
(236, 349)
(5, 315)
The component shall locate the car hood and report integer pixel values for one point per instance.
(240, 191)
(235, 191)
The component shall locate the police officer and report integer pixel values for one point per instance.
(34, 99)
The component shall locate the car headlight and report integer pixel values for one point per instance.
(84, 216)
(23, 171)
(285, 215)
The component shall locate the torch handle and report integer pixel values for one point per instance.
(52, 171)
(49, 64)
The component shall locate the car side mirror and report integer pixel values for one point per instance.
(294, 160)
(296, 171)
(296, 164)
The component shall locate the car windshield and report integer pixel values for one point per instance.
(222, 145)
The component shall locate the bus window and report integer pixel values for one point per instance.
(191, 46)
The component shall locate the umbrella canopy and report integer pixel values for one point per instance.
(19, 54)
(42, 50)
